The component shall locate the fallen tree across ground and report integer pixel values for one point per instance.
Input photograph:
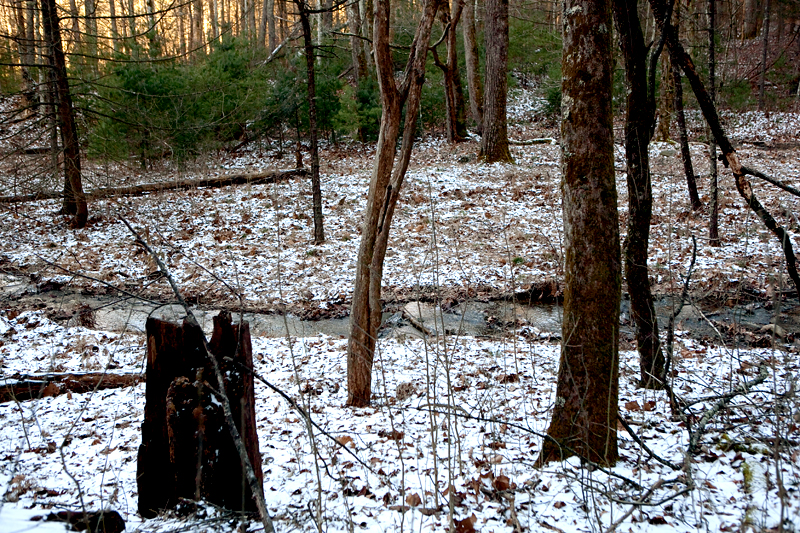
(28, 387)
(272, 176)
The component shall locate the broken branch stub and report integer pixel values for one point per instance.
(187, 450)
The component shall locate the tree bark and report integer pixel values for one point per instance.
(25, 387)
(74, 198)
(639, 129)
(743, 186)
(494, 142)
(455, 122)
(713, 223)
(356, 43)
(187, 450)
(474, 84)
(764, 50)
(272, 38)
(584, 420)
(384, 191)
(311, 87)
(686, 156)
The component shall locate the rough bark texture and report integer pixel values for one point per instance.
(455, 116)
(494, 140)
(584, 420)
(474, 83)
(384, 191)
(187, 450)
(639, 128)
(74, 199)
(683, 136)
(731, 158)
(311, 91)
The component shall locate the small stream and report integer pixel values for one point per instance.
(470, 318)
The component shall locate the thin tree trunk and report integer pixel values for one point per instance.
(713, 224)
(453, 95)
(273, 36)
(356, 43)
(494, 142)
(112, 11)
(213, 15)
(584, 419)
(384, 191)
(308, 48)
(686, 156)
(91, 34)
(764, 50)
(743, 186)
(197, 31)
(639, 129)
(182, 29)
(474, 84)
(25, 45)
(74, 198)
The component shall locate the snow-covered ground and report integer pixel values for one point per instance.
(471, 426)
(475, 423)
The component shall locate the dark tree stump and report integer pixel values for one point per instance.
(187, 450)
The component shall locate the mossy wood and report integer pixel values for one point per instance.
(187, 450)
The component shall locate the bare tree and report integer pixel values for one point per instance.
(584, 419)
(474, 83)
(74, 198)
(455, 120)
(311, 88)
(494, 140)
(384, 190)
(639, 129)
(713, 223)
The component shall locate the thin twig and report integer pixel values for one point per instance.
(191, 320)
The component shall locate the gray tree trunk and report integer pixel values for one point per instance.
(494, 140)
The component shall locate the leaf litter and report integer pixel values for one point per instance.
(455, 420)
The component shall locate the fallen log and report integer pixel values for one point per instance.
(256, 178)
(27, 387)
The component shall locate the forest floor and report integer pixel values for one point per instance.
(466, 412)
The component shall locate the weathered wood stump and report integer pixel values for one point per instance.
(187, 450)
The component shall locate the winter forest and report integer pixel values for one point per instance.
(426, 265)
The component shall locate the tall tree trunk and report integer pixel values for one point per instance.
(453, 93)
(74, 198)
(639, 129)
(764, 50)
(308, 48)
(182, 29)
(112, 11)
(686, 156)
(25, 47)
(384, 191)
(474, 84)
(584, 420)
(713, 224)
(494, 142)
(667, 100)
(273, 36)
(197, 30)
(356, 43)
(90, 18)
(752, 18)
(262, 24)
(213, 15)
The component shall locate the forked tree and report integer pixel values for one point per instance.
(640, 120)
(584, 420)
(384, 189)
